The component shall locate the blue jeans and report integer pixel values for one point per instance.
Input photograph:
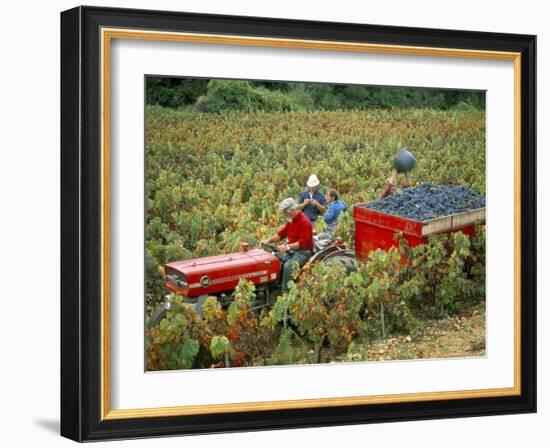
(299, 257)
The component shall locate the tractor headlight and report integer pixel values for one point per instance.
(178, 280)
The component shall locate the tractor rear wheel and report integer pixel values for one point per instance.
(345, 258)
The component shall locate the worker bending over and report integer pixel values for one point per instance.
(403, 163)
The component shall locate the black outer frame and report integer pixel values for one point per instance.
(81, 220)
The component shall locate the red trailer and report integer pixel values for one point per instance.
(376, 230)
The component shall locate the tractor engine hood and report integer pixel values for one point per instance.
(221, 273)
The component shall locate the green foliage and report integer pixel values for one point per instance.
(446, 274)
(242, 299)
(220, 347)
(346, 227)
(219, 95)
(215, 180)
(242, 95)
(328, 313)
(176, 341)
(290, 349)
(475, 265)
(388, 293)
(250, 339)
(324, 308)
(174, 92)
(214, 316)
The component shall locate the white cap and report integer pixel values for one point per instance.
(287, 204)
(313, 181)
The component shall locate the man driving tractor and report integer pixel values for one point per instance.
(298, 232)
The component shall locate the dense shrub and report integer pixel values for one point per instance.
(441, 273)
(174, 92)
(224, 95)
(388, 294)
(176, 342)
(217, 95)
(325, 308)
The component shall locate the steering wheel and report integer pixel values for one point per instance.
(269, 247)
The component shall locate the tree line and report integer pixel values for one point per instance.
(216, 95)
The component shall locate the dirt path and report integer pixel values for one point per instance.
(459, 336)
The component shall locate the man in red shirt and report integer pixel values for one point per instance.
(299, 235)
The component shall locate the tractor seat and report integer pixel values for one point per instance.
(322, 241)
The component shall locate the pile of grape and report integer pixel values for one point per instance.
(428, 201)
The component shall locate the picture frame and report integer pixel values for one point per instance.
(86, 37)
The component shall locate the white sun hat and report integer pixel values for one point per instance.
(313, 181)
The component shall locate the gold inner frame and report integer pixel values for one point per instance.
(107, 35)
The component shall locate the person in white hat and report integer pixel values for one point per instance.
(312, 201)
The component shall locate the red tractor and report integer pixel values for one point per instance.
(219, 275)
